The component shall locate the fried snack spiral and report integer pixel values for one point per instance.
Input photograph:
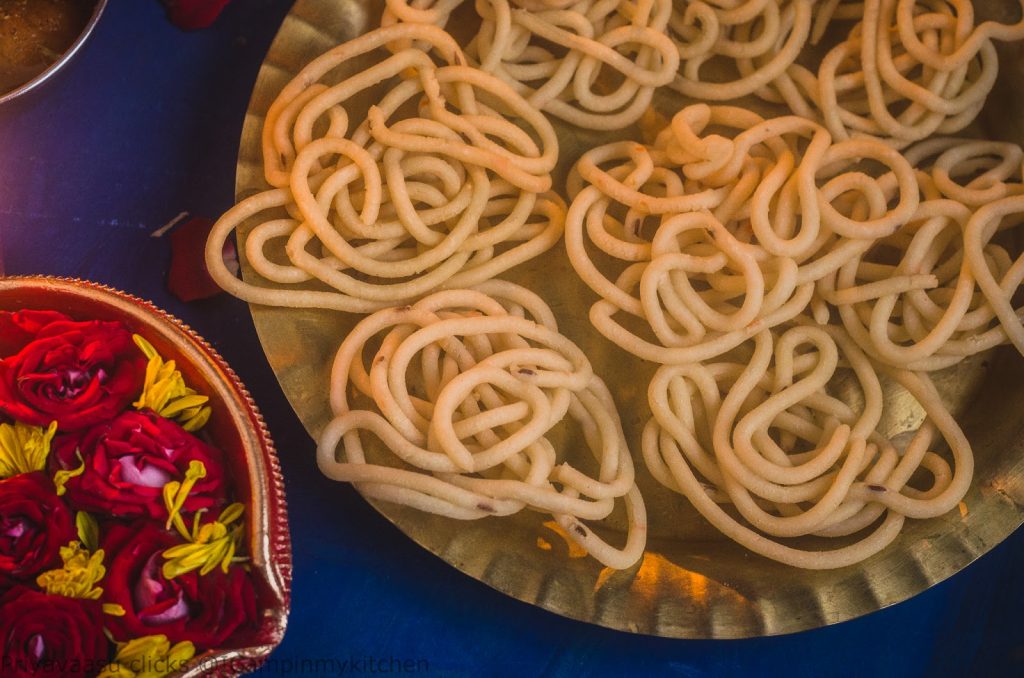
(433, 188)
(466, 388)
(591, 63)
(744, 223)
(955, 298)
(907, 69)
(433, 12)
(762, 37)
(766, 438)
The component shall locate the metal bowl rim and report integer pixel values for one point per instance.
(65, 58)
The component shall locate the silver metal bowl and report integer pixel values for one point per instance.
(61, 62)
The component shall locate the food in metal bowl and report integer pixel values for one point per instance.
(36, 33)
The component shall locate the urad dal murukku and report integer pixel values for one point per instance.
(721, 228)
(466, 388)
(752, 43)
(945, 286)
(433, 188)
(906, 70)
(765, 452)
(715, 238)
(593, 63)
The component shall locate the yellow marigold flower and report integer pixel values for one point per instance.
(78, 577)
(148, 657)
(165, 391)
(24, 448)
(209, 545)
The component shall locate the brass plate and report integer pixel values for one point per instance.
(692, 582)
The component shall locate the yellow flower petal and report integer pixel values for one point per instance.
(145, 346)
(177, 551)
(176, 493)
(24, 448)
(232, 513)
(61, 478)
(88, 530)
(184, 403)
(229, 557)
(197, 421)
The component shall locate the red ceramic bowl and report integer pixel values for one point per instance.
(235, 426)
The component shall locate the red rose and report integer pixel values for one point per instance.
(205, 609)
(129, 460)
(74, 373)
(19, 328)
(34, 524)
(193, 14)
(44, 635)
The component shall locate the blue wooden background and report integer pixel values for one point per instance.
(144, 125)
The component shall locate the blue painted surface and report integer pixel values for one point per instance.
(144, 125)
